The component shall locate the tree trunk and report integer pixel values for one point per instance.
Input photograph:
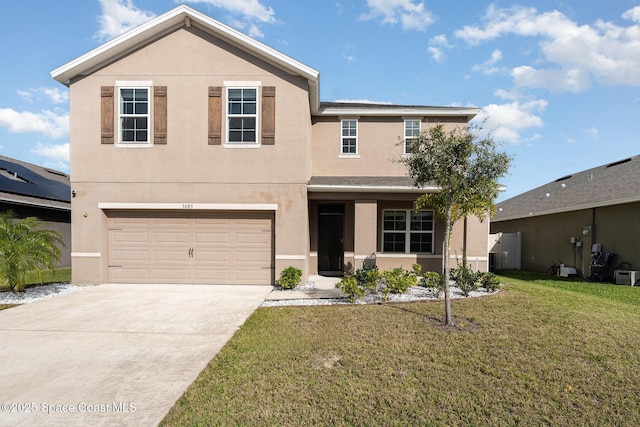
(445, 266)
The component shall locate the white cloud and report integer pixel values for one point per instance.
(555, 80)
(347, 55)
(409, 13)
(575, 54)
(247, 13)
(54, 95)
(506, 122)
(436, 53)
(488, 67)
(56, 152)
(119, 16)
(437, 44)
(440, 40)
(54, 125)
(632, 14)
(593, 132)
(250, 9)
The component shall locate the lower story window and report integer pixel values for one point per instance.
(407, 231)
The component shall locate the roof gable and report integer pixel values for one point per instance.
(610, 184)
(169, 21)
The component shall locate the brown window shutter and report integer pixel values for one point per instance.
(215, 115)
(106, 115)
(160, 115)
(268, 115)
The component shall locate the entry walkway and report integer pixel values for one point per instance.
(113, 354)
(317, 287)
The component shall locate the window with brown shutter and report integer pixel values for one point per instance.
(160, 115)
(215, 115)
(268, 115)
(106, 115)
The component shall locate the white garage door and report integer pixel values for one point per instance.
(204, 248)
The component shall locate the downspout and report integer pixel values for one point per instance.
(593, 225)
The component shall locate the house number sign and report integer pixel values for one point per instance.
(187, 206)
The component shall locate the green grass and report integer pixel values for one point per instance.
(58, 275)
(542, 352)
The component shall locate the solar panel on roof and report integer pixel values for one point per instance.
(30, 183)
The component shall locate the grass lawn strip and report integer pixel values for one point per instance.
(541, 352)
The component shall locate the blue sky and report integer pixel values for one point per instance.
(558, 81)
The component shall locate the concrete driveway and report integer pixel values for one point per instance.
(113, 354)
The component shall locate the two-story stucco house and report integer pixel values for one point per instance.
(200, 155)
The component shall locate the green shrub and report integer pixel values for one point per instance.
(433, 281)
(465, 278)
(490, 281)
(26, 248)
(417, 270)
(290, 277)
(397, 281)
(368, 277)
(350, 287)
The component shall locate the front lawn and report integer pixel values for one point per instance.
(542, 352)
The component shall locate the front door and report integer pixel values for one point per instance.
(331, 239)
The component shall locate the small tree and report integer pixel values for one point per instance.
(25, 247)
(466, 169)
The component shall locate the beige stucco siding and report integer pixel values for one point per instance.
(187, 170)
(379, 146)
(546, 239)
(187, 63)
(363, 215)
(90, 241)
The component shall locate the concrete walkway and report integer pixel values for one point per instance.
(113, 354)
(322, 288)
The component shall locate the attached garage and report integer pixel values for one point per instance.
(195, 247)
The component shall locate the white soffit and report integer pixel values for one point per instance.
(166, 22)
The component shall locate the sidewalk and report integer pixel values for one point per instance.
(317, 287)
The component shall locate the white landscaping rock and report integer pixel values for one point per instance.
(37, 293)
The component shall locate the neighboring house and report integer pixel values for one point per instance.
(200, 155)
(562, 220)
(31, 190)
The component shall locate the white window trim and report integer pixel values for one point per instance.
(404, 133)
(342, 154)
(135, 84)
(242, 85)
(408, 231)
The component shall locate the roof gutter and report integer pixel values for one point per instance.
(40, 204)
(395, 111)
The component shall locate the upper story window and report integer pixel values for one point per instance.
(407, 231)
(349, 138)
(411, 132)
(134, 115)
(242, 114)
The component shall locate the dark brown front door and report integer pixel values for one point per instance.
(331, 239)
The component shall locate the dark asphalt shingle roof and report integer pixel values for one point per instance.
(402, 184)
(610, 184)
(367, 181)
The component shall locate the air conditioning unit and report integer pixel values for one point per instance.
(627, 277)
